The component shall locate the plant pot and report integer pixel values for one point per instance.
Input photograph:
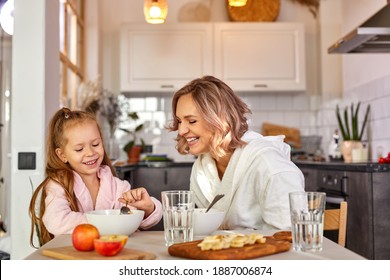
(347, 147)
(134, 154)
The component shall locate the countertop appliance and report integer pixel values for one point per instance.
(365, 186)
(372, 36)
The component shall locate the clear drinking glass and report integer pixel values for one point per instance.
(178, 208)
(307, 220)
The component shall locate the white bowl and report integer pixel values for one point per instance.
(207, 223)
(111, 222)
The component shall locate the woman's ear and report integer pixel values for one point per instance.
(61, 155)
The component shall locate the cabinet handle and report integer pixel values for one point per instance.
(260, 86)
(166, 86)
(165, 177)
(344, 184)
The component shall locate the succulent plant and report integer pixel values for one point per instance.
(350, 128)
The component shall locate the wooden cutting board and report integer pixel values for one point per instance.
(293, 135)
(190, 250)
(70, 253)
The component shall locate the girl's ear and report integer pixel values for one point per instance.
(61, 155)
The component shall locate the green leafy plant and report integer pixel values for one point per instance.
(350, 127)
(134, 133)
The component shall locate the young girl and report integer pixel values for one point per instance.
(80, 178)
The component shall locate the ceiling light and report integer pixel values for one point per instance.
(237, 3)
(155, 11)
(7, 17)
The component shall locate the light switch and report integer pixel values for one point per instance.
(26, 160)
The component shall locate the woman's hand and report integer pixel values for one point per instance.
(140, 199)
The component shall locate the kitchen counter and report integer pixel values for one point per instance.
(342, 166)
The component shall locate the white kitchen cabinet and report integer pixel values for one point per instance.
(260, 56)
(164, 57)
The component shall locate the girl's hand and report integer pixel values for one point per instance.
(140, 199)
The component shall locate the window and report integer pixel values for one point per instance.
(71, 50)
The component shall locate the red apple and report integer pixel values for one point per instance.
(110, 245)
(83, 236)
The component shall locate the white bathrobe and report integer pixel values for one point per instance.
(256, 184)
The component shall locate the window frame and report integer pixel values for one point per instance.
(72, 53)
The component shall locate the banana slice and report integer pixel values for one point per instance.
(219, 242)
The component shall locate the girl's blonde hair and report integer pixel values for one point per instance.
(224, 112)
(57, 170)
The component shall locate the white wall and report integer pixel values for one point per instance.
(35, 96)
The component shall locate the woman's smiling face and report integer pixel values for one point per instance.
(193, 126)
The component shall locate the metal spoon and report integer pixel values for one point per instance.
(215, 200)
(125, 210)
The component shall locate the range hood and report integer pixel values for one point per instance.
(373, 36)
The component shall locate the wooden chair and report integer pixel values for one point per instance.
(336, 219)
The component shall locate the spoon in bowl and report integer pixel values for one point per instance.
(215, 200)
(125, 210)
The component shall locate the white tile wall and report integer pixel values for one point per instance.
(377, 94)
(291, 109)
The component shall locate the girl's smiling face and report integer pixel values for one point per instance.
(84, 149)
(192, 126)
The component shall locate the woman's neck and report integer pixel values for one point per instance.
(222, 164)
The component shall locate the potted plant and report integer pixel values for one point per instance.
(350, 131)
(132, 147)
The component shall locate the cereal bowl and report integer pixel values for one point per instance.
(112, 222)
(207, 223)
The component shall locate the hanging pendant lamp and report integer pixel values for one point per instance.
(7, 17)
(155, 11)
(237, 3)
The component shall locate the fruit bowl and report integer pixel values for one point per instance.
(110, 222)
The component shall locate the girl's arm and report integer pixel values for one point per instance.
(58, 217)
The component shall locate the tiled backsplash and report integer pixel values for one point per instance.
(290, 109)
(377, 94)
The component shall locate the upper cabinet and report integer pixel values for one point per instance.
(247, 56)
(164, 57)
(260, 56)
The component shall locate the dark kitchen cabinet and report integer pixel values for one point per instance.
(310, 179)
(158, 179)
(360, 216)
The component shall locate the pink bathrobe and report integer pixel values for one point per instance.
(60, 219)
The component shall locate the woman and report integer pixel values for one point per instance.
(254, 172)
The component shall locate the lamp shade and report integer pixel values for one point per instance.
(155, 11)
(237, 3)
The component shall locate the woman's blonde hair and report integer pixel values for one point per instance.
(224, 112)
(57, 170)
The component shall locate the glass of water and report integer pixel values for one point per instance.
(307, 220)
(178, 208)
